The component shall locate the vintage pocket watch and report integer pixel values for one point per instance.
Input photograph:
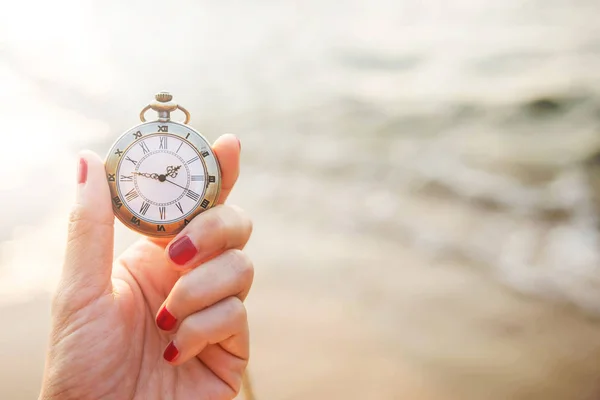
(162, 173)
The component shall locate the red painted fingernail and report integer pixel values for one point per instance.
(182, 250)
(82, 171)
(165, 320)
(171, 352)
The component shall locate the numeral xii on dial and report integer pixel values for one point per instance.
(163, 143)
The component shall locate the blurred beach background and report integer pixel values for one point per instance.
(423, 176)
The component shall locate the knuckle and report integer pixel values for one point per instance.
(228, 226)
(241, 265)
(80, 222)
(215, 225)
(83, 220)
(185, 291)
(235, 309)
(243, 219)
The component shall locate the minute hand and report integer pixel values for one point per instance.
(177, 185)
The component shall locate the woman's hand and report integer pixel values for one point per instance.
(165, 320)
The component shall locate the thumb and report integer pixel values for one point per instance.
(87, 269)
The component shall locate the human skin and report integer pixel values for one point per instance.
(110, 336)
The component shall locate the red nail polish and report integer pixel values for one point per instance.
(171, 352)
(182, 250)
(165, 320)
(82, 171)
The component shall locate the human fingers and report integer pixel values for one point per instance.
(227, 149)
(229, 274)
(89, 254)
(222, 331)
(218, 229)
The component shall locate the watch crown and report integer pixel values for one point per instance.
(163, 97)
(163, 104)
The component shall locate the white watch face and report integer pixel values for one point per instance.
(161, 178)
(161, 175)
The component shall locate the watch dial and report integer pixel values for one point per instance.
(161, 178)
(161, 175)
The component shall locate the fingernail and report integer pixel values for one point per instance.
(82, 171)
(165, 320)
(171, 352)
(182, 250)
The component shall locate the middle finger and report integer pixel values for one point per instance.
(227, 275)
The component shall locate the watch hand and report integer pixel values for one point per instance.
(172, 171)
(176, 184)
(146, 175)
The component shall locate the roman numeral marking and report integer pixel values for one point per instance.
(145, 147)
(119, 152)
(204, 203)
(211, 179)
(193, 159)
(135, 220)
(132, 194)
(117, 202)
(192, 195)
(205, 153)
(179, 148)
(179, 207)
(144, 208)
(160, 228)
(188, 135)
(163, 212)
(111, 177)
(163, 128)
(126, 178)
(163, 143)
(137, 135)
(129, 159)
(197, 178)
